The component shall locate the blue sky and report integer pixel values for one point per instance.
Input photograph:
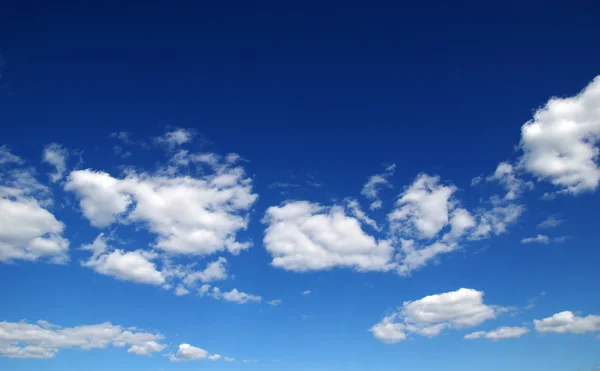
(287, 187)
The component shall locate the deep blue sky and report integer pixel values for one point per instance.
(329, 93)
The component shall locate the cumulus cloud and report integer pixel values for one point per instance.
(187, 352)
(214, 271)
(496, 218)
(136, 266)
(304, 236)
(540, 238)
(375, 183)
(56, 156)
(432, 314)
(190, 215)
(44, 340)
(28, 230)
(499, 333)
(560, 143)
(568, 322)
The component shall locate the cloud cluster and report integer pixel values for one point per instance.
(432, 314)
(44, 340)
(28, 230)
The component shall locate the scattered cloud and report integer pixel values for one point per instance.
(234, 295)
(432, 314)
(560, 143)
(56, 156)
(551, 222)
(358, 213)
(188, 352)
(250, 361)
(540, 238)
(28, 230)
(568, 322)
(44, 340)
(175, 138)
(307, 292)
(505, 175)
(533, 301)
(275, 303)
(500, 333)
(371, 189)
(283, 185)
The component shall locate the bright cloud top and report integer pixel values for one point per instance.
(190, 215)
(432, 314)
(188, 352)
(44, 340)
(560, 143)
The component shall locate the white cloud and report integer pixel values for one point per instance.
(422, 209)
(496, 218)
(551, 222)
(359, 214)
(540, 238)
(181, 291)
(307, 292)
(228, 359)
(234, 295)
(175, 137)
(250, 361)
(214, 271)
(136, 266)
(190, 215)
(188, 352)
(499, 333)
(56, 155)
(567, 322)
(505, 175)
(44, 340)
(28, 231)
(303, 236)
(275, 303)
(560, 143)
(375, 183)
(432, 314)
(215, 357)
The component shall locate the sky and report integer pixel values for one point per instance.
(327, 186)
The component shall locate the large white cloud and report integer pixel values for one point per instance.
(500, 333)
(28, 230)
(560, 142)
(44, 340)
(190, 215)
(568, 322)
(432, 314)
(303, 236)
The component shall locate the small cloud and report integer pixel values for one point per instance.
(475, 181)
(250, 361)
(283, 185)
(307, 292)
(175, 138)
(275, 303)
(551, 222)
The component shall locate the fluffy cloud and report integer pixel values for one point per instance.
(188, 352)
(375, 183)
(422, 209)
(560, 143)
(499, 333)
(567, 322)
(215, 271)
(303, 236)
(190, 215)
(28, 231)
(56, 156)
(496, 218)
(136, 266)
(44, 340)
(432, 314)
